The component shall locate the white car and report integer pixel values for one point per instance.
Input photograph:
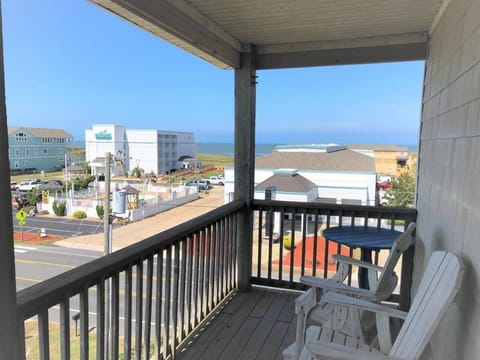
(28, 185)
(216, 180)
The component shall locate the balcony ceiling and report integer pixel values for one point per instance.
(287, 33)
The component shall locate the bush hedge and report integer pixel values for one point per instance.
(79, 214)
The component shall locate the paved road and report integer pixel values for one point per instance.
(59, 226)
(37, 263)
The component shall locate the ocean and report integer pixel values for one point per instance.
(260, 149)
(228, 150)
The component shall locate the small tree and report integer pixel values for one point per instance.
(100, 211)
(137, 172)
(402, 192)
(59, 208)
(34, 196)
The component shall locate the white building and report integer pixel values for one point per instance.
(341, 176)
(154, 151)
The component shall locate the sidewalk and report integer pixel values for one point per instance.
(140, 230)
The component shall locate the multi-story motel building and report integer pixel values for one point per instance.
(154, 151)
(33, 150)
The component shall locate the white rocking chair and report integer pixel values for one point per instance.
(311, 307)
(439, 285)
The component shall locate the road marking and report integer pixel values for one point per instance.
(28, 279)
(45, 263)
(25, 247)
(22, 249)
(68, 253)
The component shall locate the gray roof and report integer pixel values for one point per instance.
(41, 132)
(130, 189)
(99, 159)
(75, 168)
(394, 148)
(287, 183)
(344, 160)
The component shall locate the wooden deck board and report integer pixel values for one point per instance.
(251, 325)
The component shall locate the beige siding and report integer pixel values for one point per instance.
(449, 170)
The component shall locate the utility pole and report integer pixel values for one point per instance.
(107, 232)
(106, 207)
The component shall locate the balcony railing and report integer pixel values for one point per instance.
(279, 225)
(144, 299)
(147, 298)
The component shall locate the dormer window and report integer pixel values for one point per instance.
(21, 136)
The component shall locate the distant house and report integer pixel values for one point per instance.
(286, 185)
(339, 175)
(75, 170)
(33, 150)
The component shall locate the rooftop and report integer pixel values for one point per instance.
(41, 132)
(344, 160)
(287, 183)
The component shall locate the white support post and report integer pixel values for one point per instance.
(11, 338)
(245, 86)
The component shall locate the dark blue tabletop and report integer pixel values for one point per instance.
(362, 237)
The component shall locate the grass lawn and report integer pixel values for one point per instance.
(54, 175)
(217, 160)
(32, 342)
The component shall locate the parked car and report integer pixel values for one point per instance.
(216, 180)
(28, 185)
(201, 186)
(204, 182)
(13, 185)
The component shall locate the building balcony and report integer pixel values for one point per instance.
(192, 305)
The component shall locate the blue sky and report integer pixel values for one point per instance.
(70, 64)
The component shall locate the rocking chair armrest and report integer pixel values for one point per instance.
(356, 262)
(306, 300)
(342, 300)
(328, 284)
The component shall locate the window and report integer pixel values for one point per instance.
(21, 136)
(27, 152)
(17, 164)
(17, 152)
(35, 151)
(25, 164)
(45, 151)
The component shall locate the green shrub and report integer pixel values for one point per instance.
(34, 196)
(59, 208)
(100, 211)
(79, 214)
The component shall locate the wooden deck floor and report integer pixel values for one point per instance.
(254, 325)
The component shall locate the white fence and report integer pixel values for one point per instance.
(153, 204)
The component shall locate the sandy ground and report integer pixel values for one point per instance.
(140, 230)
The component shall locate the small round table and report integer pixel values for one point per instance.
(367, 238)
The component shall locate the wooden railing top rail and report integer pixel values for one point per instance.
(338, 209)
(54, 290)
